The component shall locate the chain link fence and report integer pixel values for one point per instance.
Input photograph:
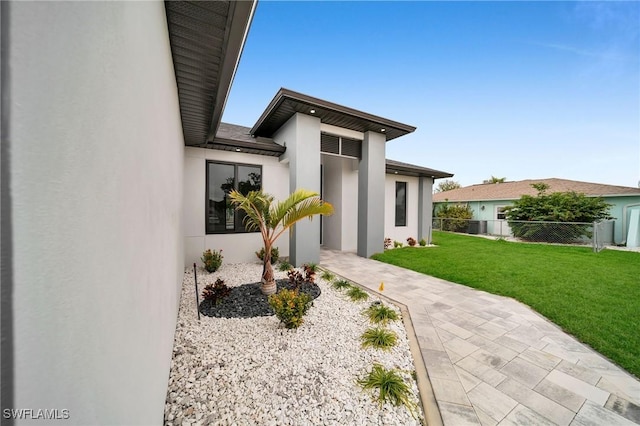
(596, 234)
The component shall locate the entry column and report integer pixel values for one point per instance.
(371, 185)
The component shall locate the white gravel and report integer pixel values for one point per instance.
(255, 372)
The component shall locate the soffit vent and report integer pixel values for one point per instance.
(351, 147)
(329, 143)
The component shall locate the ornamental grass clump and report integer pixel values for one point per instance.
(290, 307)
(327, 276)
(379, 338)
(341, 284)
(356, 294)
(212, 260)
(284, 266)
(391, 387)
(381, 314)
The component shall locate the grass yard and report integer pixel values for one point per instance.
(595, 297)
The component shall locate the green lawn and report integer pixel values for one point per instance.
(595, 297)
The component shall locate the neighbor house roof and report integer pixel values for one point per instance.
(514, 190)
(407, 169)
(206, 40)
(231, 137)
(287, 102)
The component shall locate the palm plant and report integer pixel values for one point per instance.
(272, 219)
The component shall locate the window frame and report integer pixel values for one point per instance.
(238, 226)
(402, 224)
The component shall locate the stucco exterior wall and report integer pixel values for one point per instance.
(401, 233)
(96, 173)
(301, 135)
(236, 247)
(340, 230)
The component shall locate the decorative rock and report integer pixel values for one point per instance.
(228, 371)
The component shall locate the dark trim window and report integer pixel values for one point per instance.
(222, 178)
(401, 203)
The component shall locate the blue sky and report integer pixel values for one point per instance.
(521, 90)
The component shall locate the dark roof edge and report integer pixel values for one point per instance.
(286, 93)
(238, 24)
(271, 147)
(392, 166)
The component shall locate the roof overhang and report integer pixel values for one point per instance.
(406, 169)
(287, 102)
(206, 39)
(272, 150)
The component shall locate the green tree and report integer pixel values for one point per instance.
(567, 207)
(494, 179)
(447, 185)
(454, 217)
(273, 218)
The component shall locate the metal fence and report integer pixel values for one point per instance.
(596, 234)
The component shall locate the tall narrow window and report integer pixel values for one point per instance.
(222, 178)
(401, 203)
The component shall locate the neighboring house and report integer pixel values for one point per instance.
(114, 164)
(305, 142)
(489, 200)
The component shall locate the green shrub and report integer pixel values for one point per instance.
(275, 254)
(341, 284)
(575, 210)
(391, 387)
(290, 306)
(397, 244)
(379, 338)
(311, 266)
(381, 314)
(422, 242)
(455, 217)
(356, 294)
(216, 292)
(284, 266)
(212, 260)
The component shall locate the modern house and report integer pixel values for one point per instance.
(489, 200)
(305, 142)
(114, 169)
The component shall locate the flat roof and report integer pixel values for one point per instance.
(287, 102)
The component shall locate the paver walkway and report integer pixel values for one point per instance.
(492, 360)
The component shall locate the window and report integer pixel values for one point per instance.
(500, 215)
(401, 203)
(222, 178)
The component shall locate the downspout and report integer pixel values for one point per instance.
(624, 222)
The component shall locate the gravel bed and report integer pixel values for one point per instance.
(247, 301)
(253, 371)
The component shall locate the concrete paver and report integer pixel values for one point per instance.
(492, 360)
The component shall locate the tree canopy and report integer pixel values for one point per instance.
(567, 207)
(494, 179)
(447, 185)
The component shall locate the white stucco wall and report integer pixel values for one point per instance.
(401, 233)
(340, 230)
(239, 247)
(96, 186)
